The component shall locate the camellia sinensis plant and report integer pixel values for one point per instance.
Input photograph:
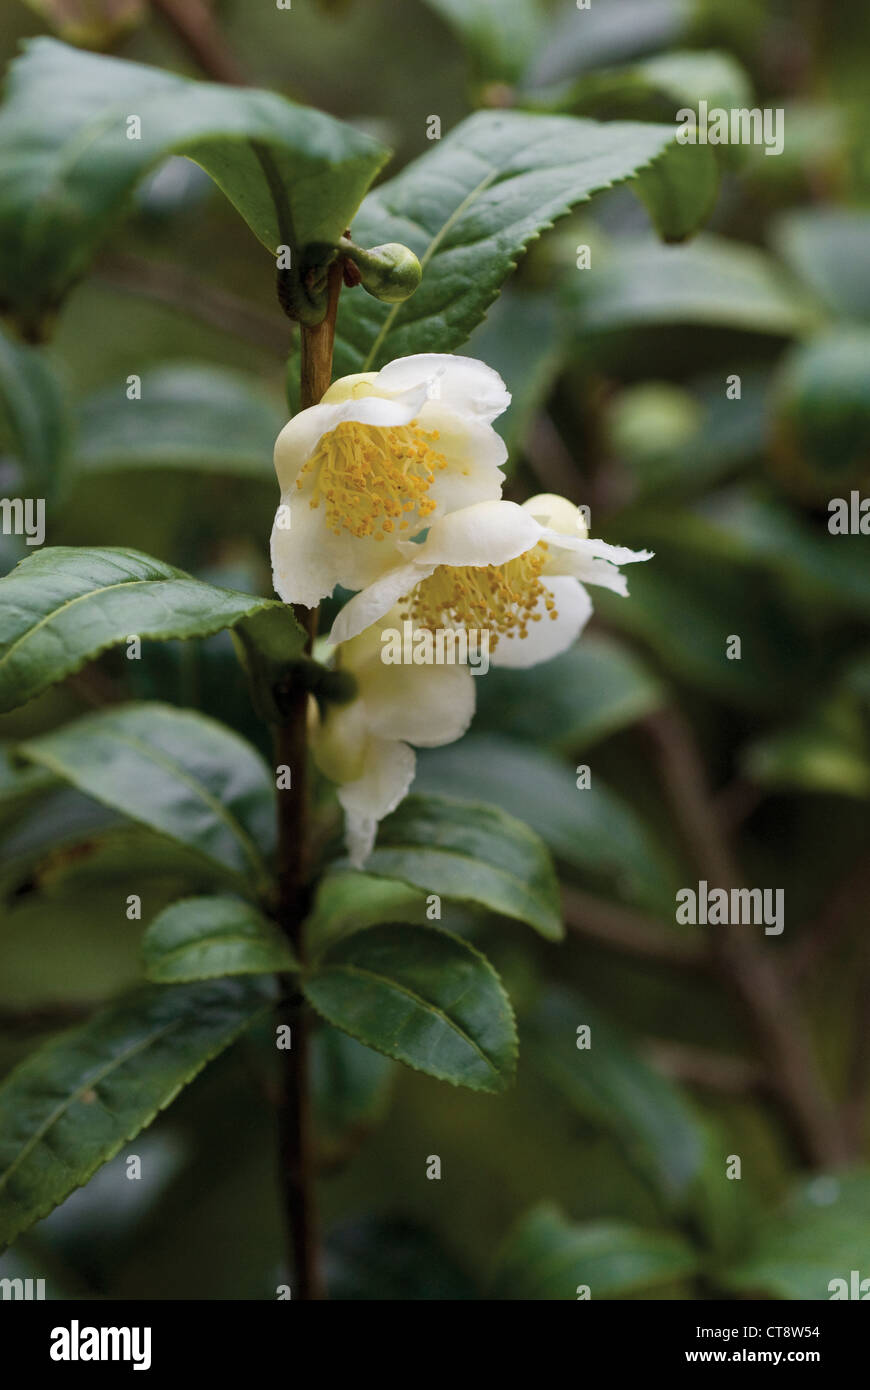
(390, 473)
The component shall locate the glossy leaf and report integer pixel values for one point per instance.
(348, 901)
(62, 606)
(204, 938)
(425, 998)
(468, 208)
(612, 1087)
(204, 418)
(295, 175)
(591, 830)
(182, 774)
(549, 1257)
(35, 425)
(472, 853)
(621, 29)
(70, 1107)
(499, 35)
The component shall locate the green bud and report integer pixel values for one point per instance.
(391, 272)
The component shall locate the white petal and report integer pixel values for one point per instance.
(488, 533)
(301, 435)
(549, 637)
(462, 383)
(388, 773)
(591, 571)
(348, 388)
(474, 453)
(616, 554)
(424, 705)
(557, 513)
(307, 557)
(338, 742)
(377, 598)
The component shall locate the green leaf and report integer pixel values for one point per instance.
(679, 191)
(820, 1234)
(204, 938)
(499, 35)
(471, 853)
(523, 339)
(468, 208)
(549, 1257)
(709, 282)
(295, 175)
(593, 690)
(205, 418)
(34, 425)
(180, 773)
(61, 607)
(829, 249)
(827, 751)
(71, 1106)
(608, 1084)
(425, 998)
(348, 901)
(822, 412)
(351, 1087)
(592, 830)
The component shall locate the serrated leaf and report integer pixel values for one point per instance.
(611, 1086)
(205, 938)
(69, 1107)
(61, 607)
(592, 829)
(468, 208)
(679, 191)
(424, 997)
(348, 901)
(205, 418)
(549, 1257)
(295, 175)
(180, 773)
(472, 853)
(821, 1233)
(589, 692)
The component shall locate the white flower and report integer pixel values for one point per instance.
(380, 458)
(364, 745)
(515, 572)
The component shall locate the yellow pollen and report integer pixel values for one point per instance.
(368, 477)
(500, 599)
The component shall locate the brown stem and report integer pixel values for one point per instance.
(803, 1098)
(631, 932)
(699, 1066)
(193, 23)
(296, 1136)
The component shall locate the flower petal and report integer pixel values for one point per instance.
(377, 598)
(474, 454)
(427, 705)
(557, 513)
(462, 383)
(388, 773)
(550, 636)
(488, 533)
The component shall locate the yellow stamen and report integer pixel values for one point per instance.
(500, 599)
(369, 477)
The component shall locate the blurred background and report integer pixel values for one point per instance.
(700, 764)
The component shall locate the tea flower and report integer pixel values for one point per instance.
(380, 458)
(364, 745)
(515, 572)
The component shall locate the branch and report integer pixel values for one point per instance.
(803, 1098)
(194, 24)
(699, 1066)
(624, 929)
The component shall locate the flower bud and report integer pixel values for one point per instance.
(390, 272)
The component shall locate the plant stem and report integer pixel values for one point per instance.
(194, 24)
(296, 1136)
